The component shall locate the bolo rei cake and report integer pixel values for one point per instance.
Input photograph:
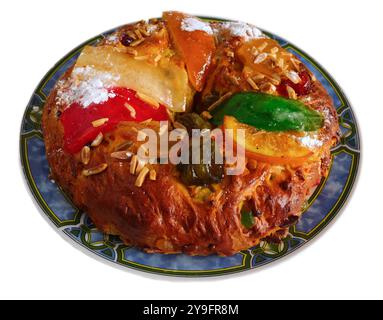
(183, 73)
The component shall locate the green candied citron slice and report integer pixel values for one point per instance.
(268, 112)
(247, 219)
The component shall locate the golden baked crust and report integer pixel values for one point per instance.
(164, 215)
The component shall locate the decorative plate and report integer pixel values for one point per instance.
(323, 206)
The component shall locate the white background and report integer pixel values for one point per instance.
(344, 262)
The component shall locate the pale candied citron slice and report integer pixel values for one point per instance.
(165, 82)
(272, 147)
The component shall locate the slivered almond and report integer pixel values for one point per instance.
(99, 122)
(131, 51)
(138, 33)
(254, 51)
(137, 42)
(95, 170)
(275, 79)
(281, 63)
(131, 34)
(260, 58)
(97, 141)
(252, 83)
(291, 92)
(293, 76)
(141, 58)
(262, 46)
(272, 88)
(268, 87)
(296, 63)
(157, 58)
(133, 164)
(141, 177)
(273, 56)
(258, 77)
(124, 145)
(206, 115)
(234, 80)
(148, 99)
(140, 164)
(85, 155)
(153, 175)
(132, 111)
(219, 101)
(144, 32)
(121, 155)
(230, 54)
(287, 54)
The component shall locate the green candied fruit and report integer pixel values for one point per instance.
(268, 112)
(247, 219)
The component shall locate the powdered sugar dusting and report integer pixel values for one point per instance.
(244, 30)
(310, 142)
(86, 86)
(193, 24)
(112, 38)
(151, 28)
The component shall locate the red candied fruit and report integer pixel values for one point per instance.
(302, 88)
(77, 120)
